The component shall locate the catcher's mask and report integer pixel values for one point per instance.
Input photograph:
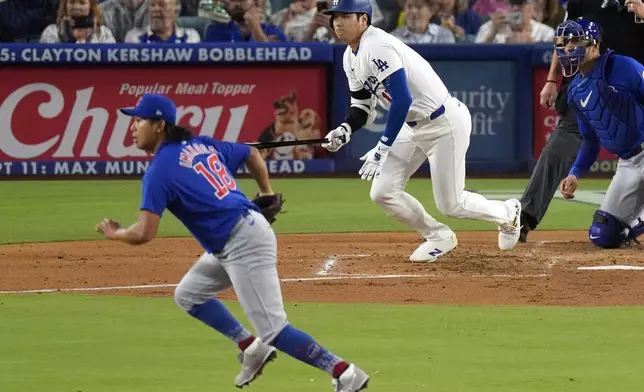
(572, 39)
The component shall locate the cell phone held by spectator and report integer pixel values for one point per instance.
(82, 22)
(322, 6)
(513, 18)
(77, 29)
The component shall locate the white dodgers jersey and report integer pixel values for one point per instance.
(379, 55)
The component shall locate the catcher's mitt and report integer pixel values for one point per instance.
(269, 206)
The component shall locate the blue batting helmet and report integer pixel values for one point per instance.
(350, 7)
(607, 231)
(580, 33)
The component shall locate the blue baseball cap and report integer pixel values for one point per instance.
(155, 106)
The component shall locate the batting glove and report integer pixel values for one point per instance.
(373, 161)
(338, 137)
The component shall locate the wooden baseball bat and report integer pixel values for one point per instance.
(265, 145)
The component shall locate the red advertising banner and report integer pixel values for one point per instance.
(545, 123)
(71, 114)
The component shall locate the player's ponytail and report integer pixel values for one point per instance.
(176, 134)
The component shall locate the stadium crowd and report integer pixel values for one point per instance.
(191, 21)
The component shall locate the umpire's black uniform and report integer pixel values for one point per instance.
(623, 32)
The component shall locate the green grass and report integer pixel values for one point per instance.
(69, 343)
(33, 211)
(147, 344)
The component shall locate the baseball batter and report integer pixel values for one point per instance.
(608, 94)
(192, 178)
(424, 122)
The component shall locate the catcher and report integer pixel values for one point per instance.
(192, 178)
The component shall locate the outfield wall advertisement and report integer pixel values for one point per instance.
(66, 121)
(59, 103)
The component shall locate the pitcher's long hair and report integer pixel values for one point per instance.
(177, 134)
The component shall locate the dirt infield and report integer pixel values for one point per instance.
(370, 267)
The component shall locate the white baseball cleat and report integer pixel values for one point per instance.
(510, 232)
(351, 380)
(430, 250)
(253, 360)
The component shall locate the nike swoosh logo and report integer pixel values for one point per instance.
(594, 237)
(584, 102)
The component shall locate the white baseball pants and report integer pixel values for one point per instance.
(444, 141)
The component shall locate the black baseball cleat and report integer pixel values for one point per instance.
(523, 235)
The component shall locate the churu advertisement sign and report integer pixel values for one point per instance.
(65, 121)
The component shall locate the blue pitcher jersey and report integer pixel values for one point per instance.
(194, 180)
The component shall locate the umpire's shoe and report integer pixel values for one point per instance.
(528, 223)
(351, 380)
(523, 236)
(253, 360)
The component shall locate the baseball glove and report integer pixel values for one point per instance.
(269, 206)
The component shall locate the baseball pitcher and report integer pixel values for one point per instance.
(192, 178)
(608, 95)
(424, 122)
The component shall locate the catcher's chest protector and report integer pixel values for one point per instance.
(613, 113)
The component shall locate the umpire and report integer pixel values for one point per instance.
(622, 24)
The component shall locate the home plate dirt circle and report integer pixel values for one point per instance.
(554, 268)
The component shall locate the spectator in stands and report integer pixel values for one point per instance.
(295, 20)
(455, 16)
(79, 21)
(24, 20)
(304, 21)
(418, 29)
(162, 26)
(549, 12)
(488, 7)
(189, 7)
(516, 26)
(214, 11)
(192, 7)
(122, 16)
(245, 25)
(267, 10)
(320, 29)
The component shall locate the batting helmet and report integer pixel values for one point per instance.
(607, 231)
(350, 7)
(581, 33)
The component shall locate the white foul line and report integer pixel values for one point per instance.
(612, 268)
(285, 280)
